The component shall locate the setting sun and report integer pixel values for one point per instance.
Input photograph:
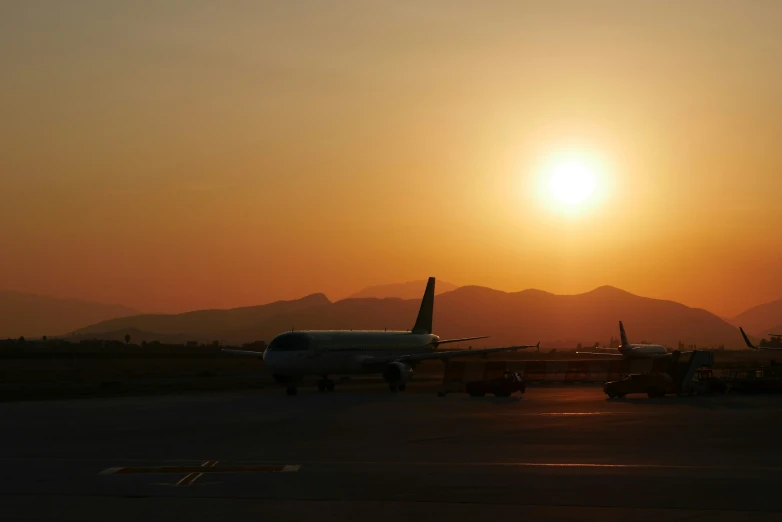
(572, 183)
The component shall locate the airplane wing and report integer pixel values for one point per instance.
(429, 356)
(246, 353)
(456, 353)
(621, 355)
(446, 341)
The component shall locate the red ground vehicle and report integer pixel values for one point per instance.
(504, 386)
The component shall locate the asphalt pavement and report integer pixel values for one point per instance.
(557, 453)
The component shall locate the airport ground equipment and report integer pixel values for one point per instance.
(505, 386)
(654, 384)
(766, 379)
(680, 376)
(705, 382)
(683, 368)
(479, 378)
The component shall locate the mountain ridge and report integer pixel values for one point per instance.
(33, 315)
(509, 317)
(406, 290)
(760, 320)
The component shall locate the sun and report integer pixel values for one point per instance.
(571, 182)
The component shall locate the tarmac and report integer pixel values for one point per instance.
(557, 453)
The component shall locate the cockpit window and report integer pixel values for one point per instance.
(290, 342)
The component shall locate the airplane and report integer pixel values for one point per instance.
(634, 351)
(749, 343)
(292, 355)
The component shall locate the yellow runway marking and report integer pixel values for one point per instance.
(190, 478)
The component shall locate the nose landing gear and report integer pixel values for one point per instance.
(325, 385)
(289, 382)
(397, 386)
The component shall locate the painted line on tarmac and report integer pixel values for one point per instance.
(583, 465)
(432, 439)
(556, 414)
(190, 478)
(577, 414)
(153, 470)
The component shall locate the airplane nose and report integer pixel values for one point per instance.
(270, 360)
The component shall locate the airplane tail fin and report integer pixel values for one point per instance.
(423, 324)
(746, 339)
(623, 335)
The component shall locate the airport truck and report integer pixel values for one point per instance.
(481, 378)
(504, 386)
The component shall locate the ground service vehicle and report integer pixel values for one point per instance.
(504, 386)
(654, 384)
(481, 377)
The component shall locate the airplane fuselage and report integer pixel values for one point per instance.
(642, 351)
(339, 352)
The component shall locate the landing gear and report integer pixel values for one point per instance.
(396, 375)
(325, 385)
(290, 383)
(397, 386)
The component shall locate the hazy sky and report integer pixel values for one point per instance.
(172, 155)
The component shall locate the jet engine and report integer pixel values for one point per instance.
(396, 374)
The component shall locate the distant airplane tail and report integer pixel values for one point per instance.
(746, 339)
(423, 324)
(623, 335)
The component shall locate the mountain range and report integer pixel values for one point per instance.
(36, 315)
(409, 290)
(762, 319)
(509, 317)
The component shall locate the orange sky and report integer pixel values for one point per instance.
(177, 155)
